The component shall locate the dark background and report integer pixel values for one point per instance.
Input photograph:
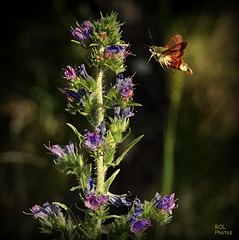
(35, 46)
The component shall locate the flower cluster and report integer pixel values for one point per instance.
(124, 86)
(166, 203)
(93, 201)
(123, 113)
(137, 224)
(119, 200)
(75, 90)
(94, 140)
(74, 96)
(61, 153)
(47, 211)
(70, 73)
(82, 32)
(117, 51)
(114, 52)
(140, 225)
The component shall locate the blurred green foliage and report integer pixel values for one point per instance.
(36, 46)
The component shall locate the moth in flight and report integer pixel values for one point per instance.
(170, 55)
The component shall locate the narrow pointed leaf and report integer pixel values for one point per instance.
(127, 134)
(109, 181)
(109, 155)
(74, 188)
(72, 216)
(121, 157)
(75, 131)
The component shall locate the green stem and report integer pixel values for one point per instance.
(99, 97)
(100, 160)
(100, 118)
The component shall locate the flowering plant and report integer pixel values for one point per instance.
(108, 110)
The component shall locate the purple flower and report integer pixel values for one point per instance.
(48, 210)
(166, 203)
(101, 128)
(38, 212)
(70, 148)
(73, 96)
(94, 140)
(56, 150)
(103, 199)
(82, 32)
(119, 200)
(93, 202)
(123, 113)
(70, 73)
(137, 210)
(126, 113)
(126, 93)
(139, 225)
(82, 71)
(118, 50)
(90, 185)
(122, 82)
(137, 202)
(60, 152)
(124, 86)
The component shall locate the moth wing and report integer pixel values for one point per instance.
(173, 41)
(176, 50)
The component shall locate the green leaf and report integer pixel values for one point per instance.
(79, 229)
(87, 169)
(80, 137)
(62, 205)
(127, 134)
(134, 104)
(74, 188)
(75, 41)
(111, 216)
(109, 155)
(83, 113)
(69, 172)
(121, 157)
(94, 45)
(109, 181)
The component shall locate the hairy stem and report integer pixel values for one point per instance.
(100, 160)
(100, 118)
(99, 97)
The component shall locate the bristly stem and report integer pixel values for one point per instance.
(99, 118)
(99, 97)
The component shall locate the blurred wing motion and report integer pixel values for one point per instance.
(170, 55)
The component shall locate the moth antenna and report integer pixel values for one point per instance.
(151, 37)
(133, 74)
(145, 45)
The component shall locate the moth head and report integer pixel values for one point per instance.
(152, 49)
